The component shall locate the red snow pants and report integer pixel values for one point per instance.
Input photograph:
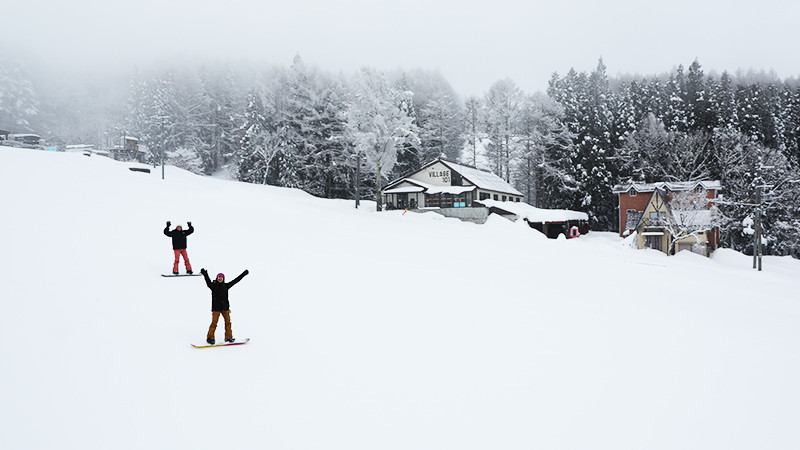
(178, 254)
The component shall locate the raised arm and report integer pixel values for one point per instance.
(166, 230)
(205, 275)
(238, 279)
(190, 230)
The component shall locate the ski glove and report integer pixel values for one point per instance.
(169, 223)
(189, 223)
(246, 271)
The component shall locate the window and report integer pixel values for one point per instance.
(504, 198)
(495, 196)
(484, 196)
(633, 192)
(448, 200)
(699, 189)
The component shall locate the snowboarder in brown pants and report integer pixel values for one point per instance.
(219, 303)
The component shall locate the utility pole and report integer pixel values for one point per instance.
(358, 178)
(757, 248)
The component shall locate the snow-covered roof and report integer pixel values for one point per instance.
(533, 214)
(483, 179)
(428, 188)
(696, 218)
(671, 185)
(404, 190)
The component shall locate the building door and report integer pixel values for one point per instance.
(402, 201)
(654, 242)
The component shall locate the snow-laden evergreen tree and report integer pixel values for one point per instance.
(261, 142)
(723, 102)
(154, 117)
(544, 145)
(378, 122)
(700, 116)
(676, 116)
(654, 154)
(792, 125)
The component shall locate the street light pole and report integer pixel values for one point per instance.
(758, 250)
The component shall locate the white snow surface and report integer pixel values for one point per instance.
(501, 340)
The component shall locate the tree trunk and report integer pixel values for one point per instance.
(378, 189)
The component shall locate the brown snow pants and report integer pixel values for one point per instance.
(215, 318)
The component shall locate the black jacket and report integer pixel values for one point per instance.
(178, 237)
(219, 292)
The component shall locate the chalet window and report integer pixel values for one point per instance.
(699, 189)
(456, 179)
(504, 198)
(495, 196)
(633, 192)
(448, 200)
(484, 195)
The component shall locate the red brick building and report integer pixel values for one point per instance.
(665, 220)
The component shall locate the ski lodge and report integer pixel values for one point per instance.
(470, 194)
(445, 184)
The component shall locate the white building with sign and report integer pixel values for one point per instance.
(445, 184)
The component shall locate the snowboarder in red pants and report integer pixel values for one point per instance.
(178, 236)
(220, 306)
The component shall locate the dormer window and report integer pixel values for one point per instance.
(633, 192)
(699, 189)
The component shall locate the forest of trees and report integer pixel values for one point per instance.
(302, 127)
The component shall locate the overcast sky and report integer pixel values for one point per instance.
(471, 43)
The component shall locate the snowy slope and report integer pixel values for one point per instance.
(369, 330)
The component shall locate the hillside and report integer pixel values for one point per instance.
(369, 330)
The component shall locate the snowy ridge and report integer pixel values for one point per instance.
(369, 330)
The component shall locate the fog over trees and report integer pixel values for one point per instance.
(300, 126)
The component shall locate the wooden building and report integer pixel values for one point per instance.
(446, 184)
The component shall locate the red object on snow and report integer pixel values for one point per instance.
(574, 232)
